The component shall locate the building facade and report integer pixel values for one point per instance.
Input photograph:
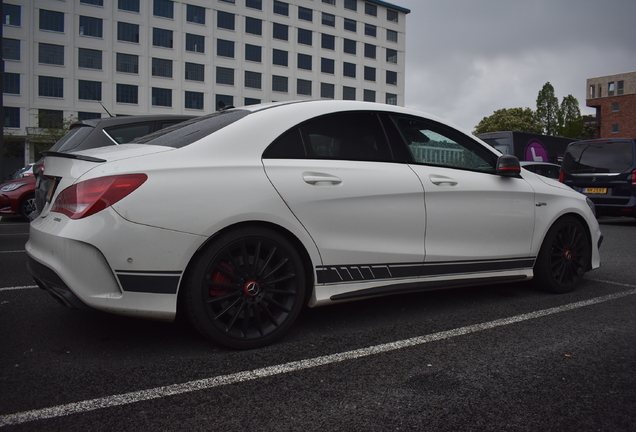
(614, 97)
(67, 59)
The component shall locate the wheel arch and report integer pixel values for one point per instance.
(583, 221)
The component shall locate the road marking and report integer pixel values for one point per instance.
(299, 365)
(15, 251)
(18, 288)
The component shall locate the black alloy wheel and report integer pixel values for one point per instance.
(27, 206)
(564, 256)
(246, 289)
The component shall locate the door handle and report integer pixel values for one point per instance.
(317, 178)
(440, 180)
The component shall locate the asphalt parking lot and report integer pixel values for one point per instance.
(491, 358)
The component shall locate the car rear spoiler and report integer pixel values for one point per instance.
(73, 156)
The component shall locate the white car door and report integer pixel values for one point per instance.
(364, 212)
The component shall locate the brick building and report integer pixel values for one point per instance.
(614, 97)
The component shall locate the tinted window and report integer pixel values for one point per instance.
(127, 133)
(599, 157)
(72, 139)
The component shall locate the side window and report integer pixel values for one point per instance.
(288, 146)
(431, 143)
(125, 134)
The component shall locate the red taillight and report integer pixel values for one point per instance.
(91, 196)
(634, 178)
(38, 168)
(561, 176)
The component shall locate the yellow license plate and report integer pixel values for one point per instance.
(596, 190)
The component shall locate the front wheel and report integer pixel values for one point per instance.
(246, 289)
(27, 206)
(564, 257)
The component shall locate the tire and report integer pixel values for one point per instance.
(27, 206)
(564, 257)
(246, 289)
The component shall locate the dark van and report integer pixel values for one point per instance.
(605, 171)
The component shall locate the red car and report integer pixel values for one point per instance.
(18, 197)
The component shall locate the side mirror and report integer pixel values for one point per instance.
(508, 166)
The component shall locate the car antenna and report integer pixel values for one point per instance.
(223, 107)
(100, 102)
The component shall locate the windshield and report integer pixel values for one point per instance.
(599, 157)
(72, 139)
(187, 132)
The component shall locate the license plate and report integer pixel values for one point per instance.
(596, 190)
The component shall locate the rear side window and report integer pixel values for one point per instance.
(127, 133)
(599, 157)
(72, 139)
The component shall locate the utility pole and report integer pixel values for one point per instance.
(2, 97)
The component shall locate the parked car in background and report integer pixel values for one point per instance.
(18, 197)
(545, 169)
(605, 171)
(24, 171)
(88, 134)
(298, 203)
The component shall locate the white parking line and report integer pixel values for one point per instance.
(223, 380)
(18, 288)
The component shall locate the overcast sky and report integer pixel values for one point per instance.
(467, 58)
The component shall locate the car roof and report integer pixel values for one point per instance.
(122, 120)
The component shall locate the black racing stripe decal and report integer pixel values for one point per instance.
(371, 272)
(156, 282)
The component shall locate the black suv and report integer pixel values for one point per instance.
(605, 171)
(87, 134)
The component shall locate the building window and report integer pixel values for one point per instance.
(305, 14)
(328, 42)
(194, 100)
(194, 72)
(370, 9)
(614, 128)
(11, 117)
(195, 43)
(224, 101)
(127, 63)
(253, 26)
(350, 25)
(348, 93)
(224, 75)
(391, 35)
(10, 49)
(620, 87)
(89, 90)
(89, 26)
(12, 14)
(369, 50)
(51, 54)
(51, 20)
(351, 5)
(225, 20)
(53, 119)
(161, 97)
(127, 93)
(331, 2)
(327, 91)
(391, 15)
(349, 69)
(224, 48)
(304, 61)
(128, 5)
(303, 87)
(391, 56)
(610, 89)
(391, 77)
(228, 1)
(327, 66)
(279, 84)
(281, 8)
(391, 99)
(592, 88)
(370, 30)
(600, 91)
(349, 46)
(195, 14)
(251, 101)
(161, 67)
(369, 95)
(83, 115)
(369, 73)
(50, 86)
(11, 83)
(615, 106)
(253, 53)
(252, 80)
(281, 32)
(304, 36)
(93, 2)
(280, 57)
(89, 58)
(163, 8)
(328, 19)
(254, 4)
(161, 37)
(127, 32)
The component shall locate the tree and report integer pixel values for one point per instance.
(510, 119)
(548, 109)
(570, 119)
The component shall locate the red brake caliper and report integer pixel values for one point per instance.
(220, 278)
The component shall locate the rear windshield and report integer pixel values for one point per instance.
(599, 157)
(72, 139)
(189, 131)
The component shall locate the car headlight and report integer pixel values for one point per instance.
(591, 204)
(11, 187)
